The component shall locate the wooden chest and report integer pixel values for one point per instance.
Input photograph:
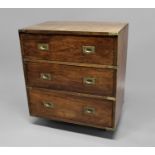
(75, 71)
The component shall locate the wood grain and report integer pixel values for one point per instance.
(70, 78)
(85, 28)
(122, 43)
(67, 48)
(68, 65)
(70, 108)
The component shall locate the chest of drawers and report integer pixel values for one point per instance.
(75, 71)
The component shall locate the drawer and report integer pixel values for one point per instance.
(89, 80)
(69, 48)
(70, 108)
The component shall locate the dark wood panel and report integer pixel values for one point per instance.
(71, 108)
(122, 42)
(67, 65)
(70, 78)
(68, 48)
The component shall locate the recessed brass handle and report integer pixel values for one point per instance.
(89, 110)
(47, 104)
(43, 47)
(89, 80)
(45, 76)
(88, 49)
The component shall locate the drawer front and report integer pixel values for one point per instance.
(71, 78)
(71, 108)
(78, 49)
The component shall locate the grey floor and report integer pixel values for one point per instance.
(137, 124)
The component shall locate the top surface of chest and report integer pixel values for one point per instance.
(93, 28)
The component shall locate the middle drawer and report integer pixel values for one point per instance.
(89, 80)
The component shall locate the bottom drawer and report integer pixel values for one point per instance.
(71, 108)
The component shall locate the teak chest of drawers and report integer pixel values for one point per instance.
(75, 71)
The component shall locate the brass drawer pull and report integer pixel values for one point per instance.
(89, 110)
(89, 80)
(48, 104)
(45, 76)
(88, 49)
(43, 47)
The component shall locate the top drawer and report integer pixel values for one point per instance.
(69, 48)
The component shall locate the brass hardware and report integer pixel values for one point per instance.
(45, 76)
(89, 80)
(84, 95)
(73, 64)
(88, 49)
(48, 104)
(89, 110)
(110, 98)
(43, 47)
(112, 67)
